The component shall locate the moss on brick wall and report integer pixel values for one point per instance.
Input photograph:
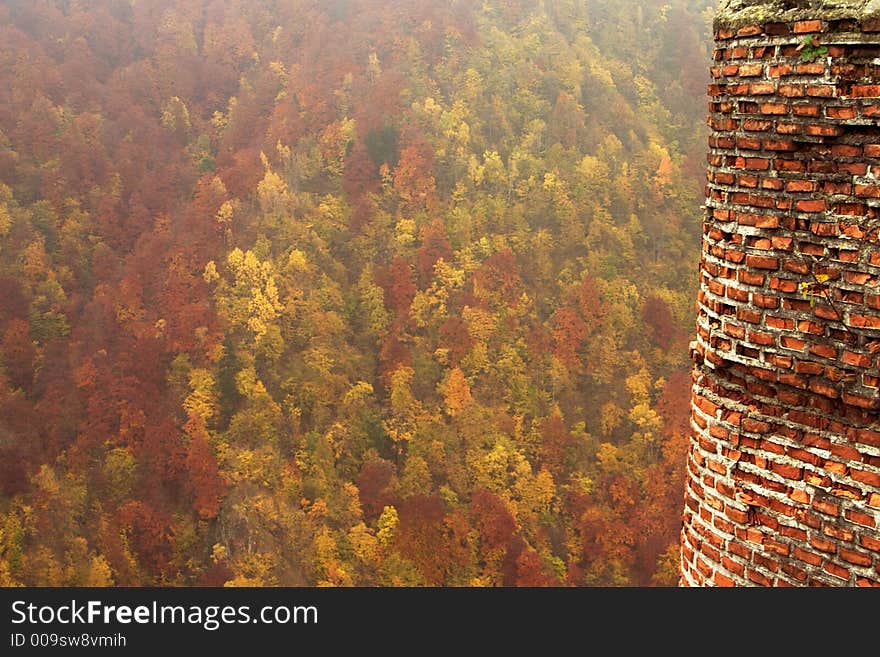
(733, 14)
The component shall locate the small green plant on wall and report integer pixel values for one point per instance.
(811, 49)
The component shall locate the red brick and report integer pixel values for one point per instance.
(826, 506)
(763, 301)
(750, 316)
(841, 112)
(839, 533)
(793, 343)
(820, 91)
(860, 518)
(759, 578)
(789, 128)
(723, 580)
(749, 30)
(824, 389)
(779, 145)
(816, 68)
(869, 543)
(761, 88)
(791, 90)
(808, 110)
(865, 91)
(756, 125)
(773, 108)
(845, 150)
(870, 478)
(826, 312)
(792, 571)
(787, 471)
(862, 401)
(866, 436)
(846, 452)
(793, 532)
(733, 566)
(736, 515)
(757, 163)
(854, 168)
(806, 556)
(824, 130)
(748, 144)
(751, 70)
(825, 351)
(837, 571)
(762, 262)
(805, 27)
(867, 191)
(790, 165)
(801, 186)
(823, 545)
(857, 558)
(750, 278)
(824, 229)
(862, 321)
(803, 455)
(779, 70)
(813, 205)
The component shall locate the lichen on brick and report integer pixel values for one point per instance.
(734, 14)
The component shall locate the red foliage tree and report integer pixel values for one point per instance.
(492, 520)
(435, 245)
(500, 274)
(206, 484)
(399, 284)
(530, 572)
(360, 176)
(556, 443)
(17, 352)
(569, 332)
(421, 537)
(455, 337)
(590, 306)
(374, 487)
(660, 322)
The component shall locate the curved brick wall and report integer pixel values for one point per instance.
(784, 465)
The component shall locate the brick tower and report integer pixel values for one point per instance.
(783, 483)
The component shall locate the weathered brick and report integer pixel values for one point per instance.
(807, 556)
(773, 108)
(805, 27)
(855, 557)
(865, 91)
(762, 262)
(841, 112)
(789, 271)
(870, 478)
(814, 205)
(826, 506)
(820, 90)
(836, 570)
(749, 30)
(779, 70)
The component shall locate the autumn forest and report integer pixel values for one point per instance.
(347, 292)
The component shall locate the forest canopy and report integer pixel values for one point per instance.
(304, 292)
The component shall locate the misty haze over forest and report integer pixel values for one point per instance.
(305, 293)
